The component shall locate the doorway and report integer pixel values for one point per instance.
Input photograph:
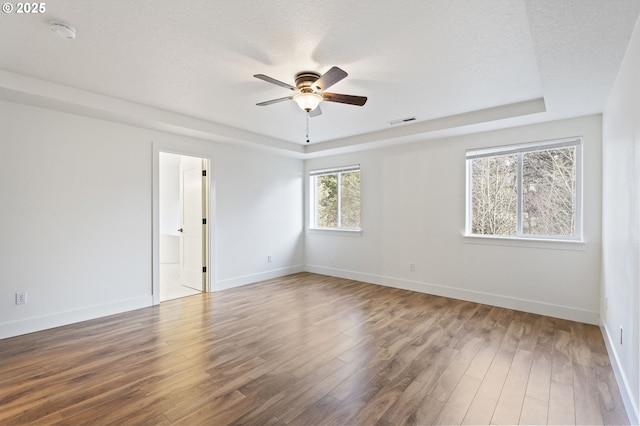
(183, 224)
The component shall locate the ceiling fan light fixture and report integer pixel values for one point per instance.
(307, 101)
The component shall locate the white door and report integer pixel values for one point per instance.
(191, 217)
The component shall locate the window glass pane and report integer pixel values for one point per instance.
(350, 199)
(549, 192)
(494, 195)
(336, 198)
(327, 201)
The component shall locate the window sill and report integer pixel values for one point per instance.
(336, 231)
(542, 243)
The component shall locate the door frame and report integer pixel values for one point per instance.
(193, 151)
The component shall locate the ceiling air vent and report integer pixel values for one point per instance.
(402, 120)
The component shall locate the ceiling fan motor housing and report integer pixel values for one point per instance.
(305, 79)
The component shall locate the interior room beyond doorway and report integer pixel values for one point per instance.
(182, 194)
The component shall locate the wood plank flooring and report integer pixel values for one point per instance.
(308, 349)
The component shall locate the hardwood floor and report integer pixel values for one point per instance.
(308, 350)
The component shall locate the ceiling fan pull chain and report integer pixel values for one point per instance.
(307, 126)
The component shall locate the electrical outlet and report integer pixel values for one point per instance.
(412, 267)
(269, 259)
(21, 298)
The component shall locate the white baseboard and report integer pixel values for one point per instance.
(30, 325)
(623, 384)
(254, 278)
(557, 311)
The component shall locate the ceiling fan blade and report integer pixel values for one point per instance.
(329, 78)
(274, 101)
(274, 81)
(315, 112)
(344, 99)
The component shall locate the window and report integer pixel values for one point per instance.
(526, 191)
(335, 198)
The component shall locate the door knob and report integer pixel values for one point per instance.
(180, 230)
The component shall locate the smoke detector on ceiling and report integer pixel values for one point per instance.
(63, 29)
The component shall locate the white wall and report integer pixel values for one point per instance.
(621, 221)
(76, 215)
(260, 202)
(413, 211)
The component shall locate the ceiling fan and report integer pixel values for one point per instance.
(310, 87)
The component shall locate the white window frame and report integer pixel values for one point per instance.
(520, 150)
(313, 224)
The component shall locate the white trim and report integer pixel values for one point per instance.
(254, 278)
(623, 384)
(155, 223)
(472, 154)
(540, 308)
(345, 232)
(541, 243)
(58, 319)
(333, 170)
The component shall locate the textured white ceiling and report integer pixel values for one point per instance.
(432, 59)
